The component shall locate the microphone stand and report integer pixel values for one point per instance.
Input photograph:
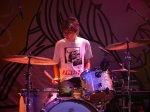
(10, 23)
(139, 14)
(104, 62)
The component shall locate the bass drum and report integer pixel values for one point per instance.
(68, 105)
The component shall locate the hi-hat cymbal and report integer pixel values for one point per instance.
(132, 44)
(123, 70)
(33, 60)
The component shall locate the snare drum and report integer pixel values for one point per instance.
(97, 85)
(67, 104)
(77, 93)
(38, 98)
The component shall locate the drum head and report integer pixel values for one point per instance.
(69, 105)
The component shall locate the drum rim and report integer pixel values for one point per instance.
(58, 101)
(39, 90)
(90, 70)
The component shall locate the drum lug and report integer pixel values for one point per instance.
(107, 91)
(100, 85)
(83, 78)
(84, 89)
(98, 74)
(55, 99)
(43, 110)
(49, 95)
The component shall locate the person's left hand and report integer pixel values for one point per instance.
(66, 89)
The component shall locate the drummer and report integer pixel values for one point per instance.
(73, 55)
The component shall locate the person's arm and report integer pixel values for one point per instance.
(56, 74)
(56, 71)
(87, 64)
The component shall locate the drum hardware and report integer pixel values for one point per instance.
(104, 63)
(126, 45)
(128, 58)
(101, 106)
(77, 93)
(123, 95)
(12, 19)
(104, 50)
(38, 98)
(95, 88)
(119, 93)
(100, 84)
(29, 60)
(84, 89)
(98, 74)
(28, 85)
(107, 91)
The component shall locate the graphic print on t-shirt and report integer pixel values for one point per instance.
(72, 55)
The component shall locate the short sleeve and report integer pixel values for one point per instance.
(56, 53)
(88, 51)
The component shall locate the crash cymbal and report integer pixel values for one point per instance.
(123, 70)
(132, 44)
(33, 60)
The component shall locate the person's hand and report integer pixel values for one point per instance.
(65, 89)
(54, 81)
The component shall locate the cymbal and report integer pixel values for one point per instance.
(132, 44)
(123, 70)
(33, 60)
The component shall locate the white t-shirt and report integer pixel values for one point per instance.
(70, 56)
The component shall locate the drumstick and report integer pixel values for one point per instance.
(48, 75)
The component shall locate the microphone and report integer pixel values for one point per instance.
(104, 64)
(21, 12)
(104, 50)
(128, 5)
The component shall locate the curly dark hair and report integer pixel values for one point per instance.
(70, 24)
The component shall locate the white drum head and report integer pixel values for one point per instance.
(72, 105)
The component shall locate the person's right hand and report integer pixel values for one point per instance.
(54, 81)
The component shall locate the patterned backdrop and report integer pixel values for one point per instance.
(103, 22)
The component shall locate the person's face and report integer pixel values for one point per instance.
(70, 35)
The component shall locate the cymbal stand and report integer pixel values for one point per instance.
(123, 88)
(28, 86)
(123, 93)
(128, 58)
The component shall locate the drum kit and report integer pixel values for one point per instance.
(96, 91)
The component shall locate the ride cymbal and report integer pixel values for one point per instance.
(132, 44)
(33, 60)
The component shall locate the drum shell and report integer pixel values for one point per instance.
(96, 82)
(77, 93)
(99, 96)
(38, 98)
